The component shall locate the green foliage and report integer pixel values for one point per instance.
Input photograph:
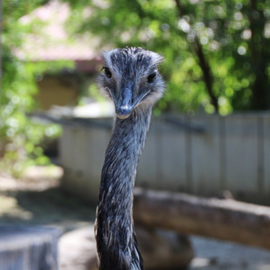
(20, 138)
(215, 51)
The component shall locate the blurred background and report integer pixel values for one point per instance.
(210, 132)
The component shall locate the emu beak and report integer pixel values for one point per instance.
(124, 105)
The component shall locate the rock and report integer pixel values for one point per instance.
(160, 249)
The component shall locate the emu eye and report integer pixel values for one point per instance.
(151, 77)
(107, 72)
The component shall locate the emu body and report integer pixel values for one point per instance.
(132, 81)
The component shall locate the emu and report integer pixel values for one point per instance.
(131, 79)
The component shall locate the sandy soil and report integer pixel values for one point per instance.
(37, 200)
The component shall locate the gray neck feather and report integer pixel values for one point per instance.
(116, 239)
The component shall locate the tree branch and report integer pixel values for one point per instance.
(207, 74)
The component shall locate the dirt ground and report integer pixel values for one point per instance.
(37, 200)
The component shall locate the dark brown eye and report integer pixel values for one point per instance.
(151, 77)
(107, 72)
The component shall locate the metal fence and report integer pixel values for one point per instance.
(202, 155)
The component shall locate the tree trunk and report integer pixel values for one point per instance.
(259, 47)
(28, 248)
(222, 219)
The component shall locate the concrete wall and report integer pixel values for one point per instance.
(202, 155)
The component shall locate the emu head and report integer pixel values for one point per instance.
(131, 79)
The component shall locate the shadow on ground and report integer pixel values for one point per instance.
(32, 203)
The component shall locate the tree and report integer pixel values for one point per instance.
(19, 136)
(217, 52)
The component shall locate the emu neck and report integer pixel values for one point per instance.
(116, 241)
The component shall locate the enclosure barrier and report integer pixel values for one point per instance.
(201, 155)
